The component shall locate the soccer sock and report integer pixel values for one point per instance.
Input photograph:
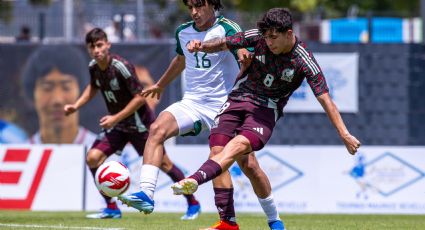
(208, 171)
(112, 204)
(224, 202)
(269, 208)
(177, 175)
(148, 178)
(107, 199)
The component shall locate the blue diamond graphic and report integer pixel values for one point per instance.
(387, 174)
(280, 172)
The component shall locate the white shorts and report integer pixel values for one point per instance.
(192, 117)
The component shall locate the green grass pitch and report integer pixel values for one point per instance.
(76, 220)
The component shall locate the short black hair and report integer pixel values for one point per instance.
(278, 19)
(95, 35)
(216, 3)
(65, 58)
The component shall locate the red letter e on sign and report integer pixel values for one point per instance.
(21, 171)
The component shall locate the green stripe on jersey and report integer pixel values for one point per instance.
(183, 26)
(230, 28)
(230, 25)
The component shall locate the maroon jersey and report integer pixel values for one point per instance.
(271, 79)
(118, 84)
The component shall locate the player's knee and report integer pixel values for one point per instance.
(157, 132)
(241, 145)
(92, 159)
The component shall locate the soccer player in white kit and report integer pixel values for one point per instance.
(208, 80)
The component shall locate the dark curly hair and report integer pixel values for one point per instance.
(216, 3)
(278, 19)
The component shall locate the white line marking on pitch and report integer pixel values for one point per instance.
(56, 226)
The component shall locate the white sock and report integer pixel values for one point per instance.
(148, 178)
(269, 208)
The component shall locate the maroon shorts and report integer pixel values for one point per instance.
(236, 117)
(113, 141)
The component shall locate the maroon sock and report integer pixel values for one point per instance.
(107, 198)
(177, 175)
(112, 205)
(224, 203)
(208, 171)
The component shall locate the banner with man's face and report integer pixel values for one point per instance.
(38, 80)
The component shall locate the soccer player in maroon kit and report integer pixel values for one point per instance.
(129, 116)
(280, 63)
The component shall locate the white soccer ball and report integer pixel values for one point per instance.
(112, 178)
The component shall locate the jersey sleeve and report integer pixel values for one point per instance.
(179, 49)
(230, 28)
(92, 78)
(245, 39)
(312, 72)
(130, 78)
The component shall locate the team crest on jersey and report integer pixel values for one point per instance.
(114, 84)
(287, 75)
(97, 83)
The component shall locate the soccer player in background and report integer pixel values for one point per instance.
(246, 121)
(129, 116)
(208, 80)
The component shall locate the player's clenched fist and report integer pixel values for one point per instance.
(194, 46)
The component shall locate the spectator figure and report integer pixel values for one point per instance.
(24, 35)
(113, 31)
(118, 30)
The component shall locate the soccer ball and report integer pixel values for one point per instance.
(112, 178)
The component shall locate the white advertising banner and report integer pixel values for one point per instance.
(41, 177)
(317, 179)
(305, 179)
(341, 73)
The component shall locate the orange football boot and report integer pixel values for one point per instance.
(224, 225)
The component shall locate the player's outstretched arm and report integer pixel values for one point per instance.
(350, 141)
(153, 91)
(88, 93)
(175, 68)
(210, 46)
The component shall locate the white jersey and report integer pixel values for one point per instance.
(208, 77)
